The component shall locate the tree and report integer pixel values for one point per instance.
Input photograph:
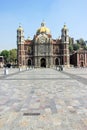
(71, 48)
(76, 47)
(9, 56)
(6, 55)
(71, 41)
(13, 55)
(81, 42)
(85, 48)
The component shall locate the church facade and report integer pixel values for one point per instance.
(43, 50)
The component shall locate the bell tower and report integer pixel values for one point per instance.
(20, 47)
(65, 45)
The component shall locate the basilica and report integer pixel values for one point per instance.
(43, 50)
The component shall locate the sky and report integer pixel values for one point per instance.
(30, 14)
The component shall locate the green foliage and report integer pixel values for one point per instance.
(13, 55)
(6, 55)
(76, 47)
(85, 48)
(71, 48)
(9, 56)
(71, 40)
(81, 42)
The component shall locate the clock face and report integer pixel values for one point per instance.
(42, 39)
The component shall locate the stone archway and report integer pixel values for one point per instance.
(29, 62)
(43, 62)
(81, 64)
(56, 61)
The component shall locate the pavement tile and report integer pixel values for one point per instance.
(44, 99)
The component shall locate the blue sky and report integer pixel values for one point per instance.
(30, 13)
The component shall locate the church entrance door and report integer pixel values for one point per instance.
(43, 62)
(82, 64)
(29, 62)
(56, 61)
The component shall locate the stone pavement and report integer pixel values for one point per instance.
(44, 99)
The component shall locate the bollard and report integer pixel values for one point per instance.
(20, 69)
(27, 68)
(5, 71)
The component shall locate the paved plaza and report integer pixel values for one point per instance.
(43, 99)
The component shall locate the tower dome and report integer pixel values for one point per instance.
(20, 28)
(64, 27)
(43, 29)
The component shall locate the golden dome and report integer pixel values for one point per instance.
(43, 29)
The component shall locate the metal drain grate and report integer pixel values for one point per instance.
(31, 114)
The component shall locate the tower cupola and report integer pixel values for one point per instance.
(20, 35)
(64, 34)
